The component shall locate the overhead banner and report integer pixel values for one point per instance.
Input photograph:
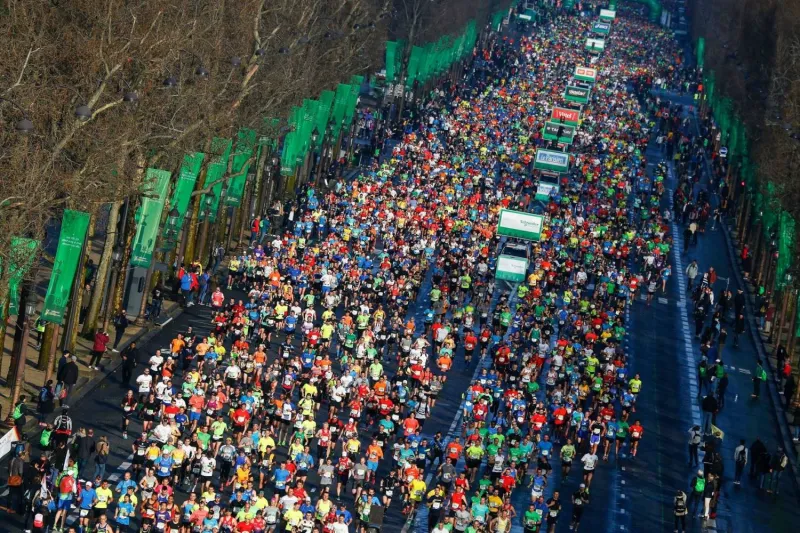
(217, 167)
(546, 190)
(551, 160)
(71, 240)
(19, 262)
(579, 95)
(555, 131)
(607, 15)
(182, 194)
(586, 74)
(148, 216)
(595, 45)
(245, 143)
(603, 28)
(520, 225)
(566, 116)
(511, 268)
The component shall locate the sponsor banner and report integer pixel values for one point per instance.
(602, 28)
(595, 45)
(520, 225)
(576, 94)
(148, 217)
(74, 225)
(607, 15)
(551, 160)
(586, 74)
(511, 268)
(182, 193)
(545, 190)
(566, 115)
(555, 131)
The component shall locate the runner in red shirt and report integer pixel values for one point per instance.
(637, 431)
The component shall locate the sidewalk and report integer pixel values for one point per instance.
(88, 379)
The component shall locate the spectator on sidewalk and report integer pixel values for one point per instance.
(46, 402)
(130, 358)
(68, 376)
(120, 324)
(186, 289)
(691, 273)
(99, 348)
(85, 446)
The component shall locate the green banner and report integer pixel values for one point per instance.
(20, 260)
(148, 216)
(74, 225)
(221, 150)
(182, 194)
(701, 52)
(245, 143)
(392, 49)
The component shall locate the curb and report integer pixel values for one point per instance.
(32, 428)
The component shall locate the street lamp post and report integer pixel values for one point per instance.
(21, 333)
(108, 305)
(205, 212)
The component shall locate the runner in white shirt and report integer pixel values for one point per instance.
(589, 461)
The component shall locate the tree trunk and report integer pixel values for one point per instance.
(103, 270)
(44, 351)
(115, 303)
(78, 296)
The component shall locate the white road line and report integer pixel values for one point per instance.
(691, 371)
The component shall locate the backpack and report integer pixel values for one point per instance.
(66, 485)
(741, 456)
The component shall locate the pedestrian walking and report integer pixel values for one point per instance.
(120, 325)
(680, 510)
(67, 377)
(130, 358)
(710, 407)
(778, 464)
(740, 455)
(759, 375)
(691, 273)
(695, 439)
(696, 489)
(99, 348)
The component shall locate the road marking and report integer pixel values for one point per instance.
(744, 371)
(691, 371)
(663, 301)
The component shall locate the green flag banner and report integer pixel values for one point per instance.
(74, 225)
(245, 145)
(182, 194)
(701, 52)
(148, 216)
(221, 150)
(20, 261)
(392, 48)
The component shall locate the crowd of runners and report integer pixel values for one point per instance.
(304, 409)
